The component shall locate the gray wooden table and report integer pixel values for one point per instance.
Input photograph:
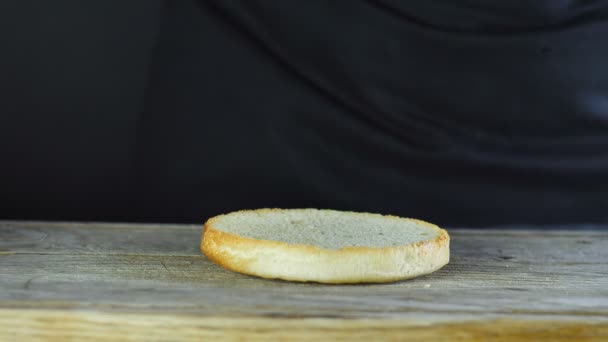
(118, 282)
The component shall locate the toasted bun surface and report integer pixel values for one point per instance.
(325, 246)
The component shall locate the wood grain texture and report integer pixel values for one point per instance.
(63, 326)
(62, 281)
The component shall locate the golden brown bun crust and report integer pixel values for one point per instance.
(296, 262)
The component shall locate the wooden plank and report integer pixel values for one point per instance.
(63, 326)
(193, 283)
(99, 238)
(64, 279)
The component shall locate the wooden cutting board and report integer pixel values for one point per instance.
(124, 282)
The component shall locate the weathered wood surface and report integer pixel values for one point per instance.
(62, 281)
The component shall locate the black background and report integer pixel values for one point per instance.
(144, 110)
(72, 85)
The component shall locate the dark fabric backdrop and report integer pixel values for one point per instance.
(462, 113)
